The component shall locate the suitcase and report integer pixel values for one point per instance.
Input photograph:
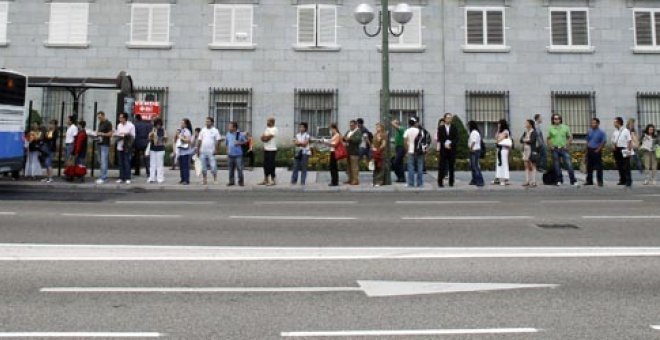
(73, 172)
(550, 178)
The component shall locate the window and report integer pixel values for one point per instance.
(67, 25)
(576, 108)
(405, 104)
(154, 94)
(486, 108)
(4, 20)
(412, 33)
(231, 105)
(647, 27)
(569, 30)
(150, 26)
(316, 107)
(232, 26)
(485, 30)
(648, 109)
(317, 26)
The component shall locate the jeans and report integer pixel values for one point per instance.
(157, 171)
(334, 170)
(68, 151)
(269, 164)
(557, 155)
(398, 164)
(125, 165)
(542, 163)
(475, 168)
(623, 164)
(365, 152)
(236, 165)
(184, 168)
(415, 166)
(638, 161)
(139, 157)
(104, 156)
(208, 159)
(447, 164)
(594, 162)
(300, 165)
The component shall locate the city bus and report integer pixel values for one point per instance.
(13, 114)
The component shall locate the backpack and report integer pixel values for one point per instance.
(244, 147)
(422, 142)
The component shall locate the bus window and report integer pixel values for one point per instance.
(12, 90)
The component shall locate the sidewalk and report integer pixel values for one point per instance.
(318, 182)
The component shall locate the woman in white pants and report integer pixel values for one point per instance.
(157, 138)
(504, 144)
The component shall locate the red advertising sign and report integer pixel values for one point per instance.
(147, 110)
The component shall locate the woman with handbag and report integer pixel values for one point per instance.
(530, 153)
(35, 141)
(630, 125)
(378, 150)
(157, 140)
(185, 150)
(50, 140)
(649, 151)
(301, 156)
(335, 144)
(504, 145)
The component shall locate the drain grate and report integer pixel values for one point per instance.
(557, 226)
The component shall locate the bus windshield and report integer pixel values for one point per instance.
(12, 89)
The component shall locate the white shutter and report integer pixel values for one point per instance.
(412, 32)
(657, 28)
(307, 25)
(559, 27)
(160, 24)
(643, 29)
(327, 25)
(222, 24)
(4, 19)
(78, 23)
(474, 28)
(140, 18)
(58, 24)
(495, 27)
(579, 28)
(243, 16)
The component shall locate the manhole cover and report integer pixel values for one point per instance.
(557, 226)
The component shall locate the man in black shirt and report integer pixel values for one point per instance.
(104, 132)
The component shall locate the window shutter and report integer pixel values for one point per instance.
(643, 29)
(243, 24)
(412, 33)
(327, 25)
(160, 24)
(307, 25)
(140, 24)
(475, 28)
(78, 21)
(4, 19)
(657, 28)
(58, 25)
(495, 25)
(222, 24)
(579, 28)
(559, 21)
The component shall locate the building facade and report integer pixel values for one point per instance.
(303, 60)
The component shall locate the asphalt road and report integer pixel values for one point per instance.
(277, 265)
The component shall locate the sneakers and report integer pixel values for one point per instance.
(646, 182)
(119, 181)
(48, 180)
(128, 181)
(100, 181)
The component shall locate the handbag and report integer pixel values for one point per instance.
(147, 151)
(507, 143)
(372, 165)
(340, 151)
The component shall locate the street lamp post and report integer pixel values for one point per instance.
(402, 14)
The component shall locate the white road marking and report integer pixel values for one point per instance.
(590, 201)
(412, 332)
(447, 202)
(7, 213)
(165, 202)
(620, 217)
(295, 218)
(465, 218)
(54, 252)
(80, 335)
(121, 215)
(305, 202)
(657, 328)
(369, 287)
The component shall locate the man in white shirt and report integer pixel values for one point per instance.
(70, 138)
(269, 138)
(126, 133)
(207, 146)
(622, 144)
(415, 160)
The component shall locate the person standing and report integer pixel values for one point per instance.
(559, 140)
(234, 142)
(126, 138)
(142, 130)
(504, 144)
(380, 140)
(206, 146)
(474, 145)
(334, 141)
(630, 125)
(269, 138)
(650, 141)
(158, 138)
(301, 154)
(353, 138)
(250, 150)
(530, 153)
(415, 159)
(400, 151)
(185, 150)
(35, 139)
(365, 144)
(51, 138)
(103, 132)
(448, 140)
(80, 144)
(542, 162)
(70, 139)
(596, 140)
(622, 144)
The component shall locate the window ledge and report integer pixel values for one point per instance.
(316, 48)
(405, 49)
(486, 49)
(584, 50)
(646, 50)
(232, 47)
(66, 45)
(4, 43)
(147, 45)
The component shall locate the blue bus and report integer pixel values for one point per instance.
(13, 113)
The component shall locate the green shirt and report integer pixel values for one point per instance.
(398, 136)
(558, 135)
